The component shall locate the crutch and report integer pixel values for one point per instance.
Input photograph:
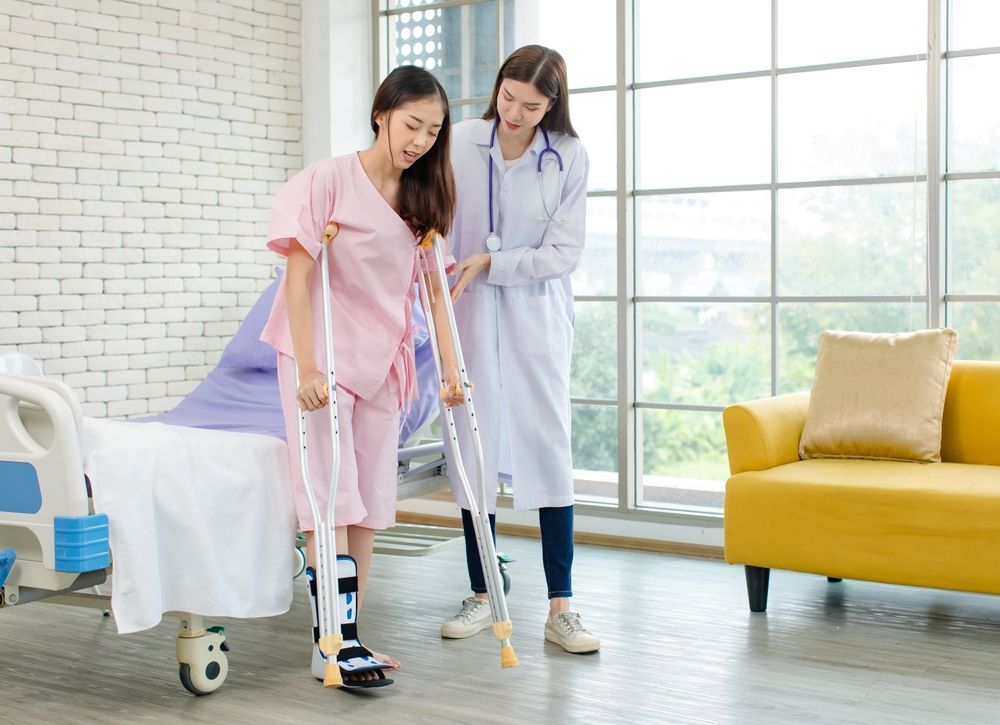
(502, 627)
(327, 595)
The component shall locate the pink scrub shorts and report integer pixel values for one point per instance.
(369, 439)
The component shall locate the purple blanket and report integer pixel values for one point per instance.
(241, 393)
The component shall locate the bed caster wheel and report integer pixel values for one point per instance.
(502, 561)
(203, 661)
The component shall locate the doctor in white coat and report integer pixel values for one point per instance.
(521, 178)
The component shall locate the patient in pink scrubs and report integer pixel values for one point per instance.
(372, 207)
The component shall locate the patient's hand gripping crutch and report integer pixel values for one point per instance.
(327, 594)
(502, 627)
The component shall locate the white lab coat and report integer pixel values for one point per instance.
(515, 320)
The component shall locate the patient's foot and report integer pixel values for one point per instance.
(319, 666)
(368, 676)
(386, 660)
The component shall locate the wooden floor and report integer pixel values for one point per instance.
(679, 646)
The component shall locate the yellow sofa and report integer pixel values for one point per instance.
(922, 524)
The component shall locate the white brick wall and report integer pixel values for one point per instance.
(140, 145)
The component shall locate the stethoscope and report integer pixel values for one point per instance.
(493, 241)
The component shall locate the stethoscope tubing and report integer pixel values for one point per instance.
(541, 157)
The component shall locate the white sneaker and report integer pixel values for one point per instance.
(474, 617)
(567, 631)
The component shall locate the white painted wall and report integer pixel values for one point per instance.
(337, 77)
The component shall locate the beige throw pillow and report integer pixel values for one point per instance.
(879, 395)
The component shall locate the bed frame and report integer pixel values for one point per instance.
(62, 552)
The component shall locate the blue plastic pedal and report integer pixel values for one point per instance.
(82, 543)
(7, 557)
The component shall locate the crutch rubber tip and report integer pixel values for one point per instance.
(503, 630)
(507, 657)
(332, 676)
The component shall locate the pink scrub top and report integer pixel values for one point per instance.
(374, 262)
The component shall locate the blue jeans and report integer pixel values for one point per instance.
(556, 524)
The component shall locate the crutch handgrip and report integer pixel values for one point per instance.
(449, 391)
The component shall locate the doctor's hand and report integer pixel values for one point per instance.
(452, 393)
(313, 393)
(466, 271)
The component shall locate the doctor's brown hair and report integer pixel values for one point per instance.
(427, 188)
(545, 69)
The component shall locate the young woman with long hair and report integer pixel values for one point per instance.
(521, 174)
(375, 205)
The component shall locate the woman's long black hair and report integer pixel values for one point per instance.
(545, 69)
(426, 189)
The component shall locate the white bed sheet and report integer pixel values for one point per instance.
(201, 521)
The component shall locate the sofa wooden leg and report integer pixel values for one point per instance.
(834, 579)
(757, 580)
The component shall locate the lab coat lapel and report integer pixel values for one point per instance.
(495, 152)
(482, 138)
(537, 146)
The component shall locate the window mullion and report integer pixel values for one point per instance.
(629, 439)
(936, 165)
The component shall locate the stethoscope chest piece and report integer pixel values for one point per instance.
(493, 242)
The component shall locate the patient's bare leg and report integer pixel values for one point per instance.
(310, 549)
(359, 544)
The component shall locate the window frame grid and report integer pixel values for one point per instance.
(629, 403)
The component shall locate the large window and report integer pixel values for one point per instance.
(762, 170)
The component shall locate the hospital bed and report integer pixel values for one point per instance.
(194, 505)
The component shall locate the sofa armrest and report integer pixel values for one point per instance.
(764, 433)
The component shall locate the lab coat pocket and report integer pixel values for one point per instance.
(540, 324)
